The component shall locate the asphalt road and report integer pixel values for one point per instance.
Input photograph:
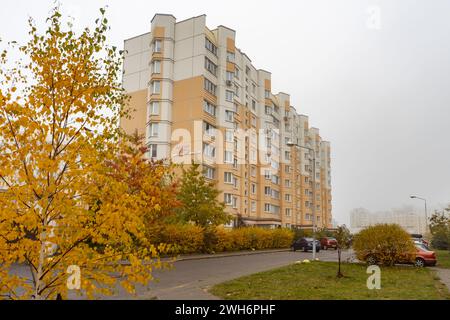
(190, 279)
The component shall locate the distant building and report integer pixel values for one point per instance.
(407, 218)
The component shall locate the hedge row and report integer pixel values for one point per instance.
(186, 239)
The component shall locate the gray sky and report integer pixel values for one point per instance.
(378, 89)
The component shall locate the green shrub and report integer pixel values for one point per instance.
(386, 243)
(441, 240)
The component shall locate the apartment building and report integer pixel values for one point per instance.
(407, 218)
(197, 97)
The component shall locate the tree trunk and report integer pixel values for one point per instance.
(339, 274)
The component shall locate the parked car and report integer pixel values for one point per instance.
(328, 242)
(419, 238)
(423, 257)
(305, 244)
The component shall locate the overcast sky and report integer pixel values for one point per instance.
(373, 75)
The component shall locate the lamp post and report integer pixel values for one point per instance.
(291, 144)
(426, 213)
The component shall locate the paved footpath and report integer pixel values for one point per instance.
(191, 279)
(444, 276)
(192, 276)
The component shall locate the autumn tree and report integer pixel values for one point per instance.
(440, 229)
(147, 177)
(59, 111)
(199, 199)
(343, 236)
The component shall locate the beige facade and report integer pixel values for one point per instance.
(196, 96)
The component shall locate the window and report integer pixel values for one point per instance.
(210, 66)
(287, 169)
(253, 171)
(253, 188)
(287, 155)
(156, 87)
(210, 87)
(288, 212)
(287, 197)
(157, 46)
(153, 150)
(267, 207)
(211, 46)
(268, 110)
(275, 179)
(267, 191)
(156, 66)
(228, 199)
(209, 129)
(229, 136)
(235, 163)
(154, 108)
(287, 183)
(236, 182)
(236, 90)
(229, 115)
(253, 157)
(153, 130)
(253, 121)
(229, 95)
(234, 202)
(267, 94)
(209, 108)
(267, 174)
(209, 150)
(230, 56)
(253, 206)
(254, 88)
(228, 177)
(253, 105)
(230, 76)
(247, 70)
(275, 194)
(210, 173)
(228, 157)
(236, 73)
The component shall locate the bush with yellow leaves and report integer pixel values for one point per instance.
(384, 244)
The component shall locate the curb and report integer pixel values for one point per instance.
(226, 255)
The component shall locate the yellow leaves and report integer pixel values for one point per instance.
(97, 213)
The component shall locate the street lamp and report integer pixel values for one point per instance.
(291, 144)
(426, 213)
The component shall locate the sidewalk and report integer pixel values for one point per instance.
(444, 276)
(186, 257)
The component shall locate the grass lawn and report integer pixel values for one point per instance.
(443, 258)
(317, 281)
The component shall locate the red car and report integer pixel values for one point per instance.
(328, 242)
(424, 256)
(421, 258)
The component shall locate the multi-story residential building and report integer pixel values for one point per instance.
(407, 218)
(196, 96)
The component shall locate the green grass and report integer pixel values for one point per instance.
(318, 281)
(443, 259)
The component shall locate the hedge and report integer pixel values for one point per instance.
(185, 239)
